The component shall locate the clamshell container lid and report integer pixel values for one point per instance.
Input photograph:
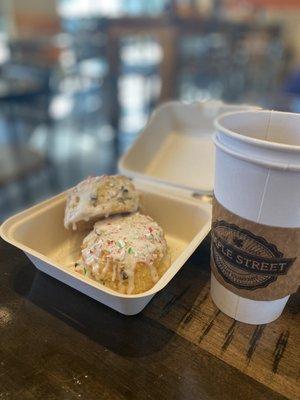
(176, 147)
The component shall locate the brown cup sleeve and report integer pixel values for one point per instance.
(253, 260)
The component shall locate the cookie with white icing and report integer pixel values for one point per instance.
(99, 197)
(125, 253)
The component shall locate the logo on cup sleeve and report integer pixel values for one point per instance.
(245, 260)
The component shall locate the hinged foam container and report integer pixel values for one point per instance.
(172, 159)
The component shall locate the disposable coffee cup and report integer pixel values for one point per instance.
(257, 183)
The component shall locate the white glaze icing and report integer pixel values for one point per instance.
(99, 197)
(118, 244)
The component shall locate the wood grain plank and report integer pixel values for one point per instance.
(60, 344)
(268, 353)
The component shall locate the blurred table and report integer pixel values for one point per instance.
(11, 90)
(56, 343)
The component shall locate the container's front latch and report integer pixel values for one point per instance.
(206, 198)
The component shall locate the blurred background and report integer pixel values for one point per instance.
(79, 78)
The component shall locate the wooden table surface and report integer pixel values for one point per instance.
(56, 343)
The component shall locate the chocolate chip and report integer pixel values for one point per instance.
(124, 275)
(94, 199)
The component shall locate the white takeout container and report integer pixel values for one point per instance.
(258, 178)
(40, 233)
(172, 159)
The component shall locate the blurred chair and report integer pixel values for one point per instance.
(24, 101)
(18, 165)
